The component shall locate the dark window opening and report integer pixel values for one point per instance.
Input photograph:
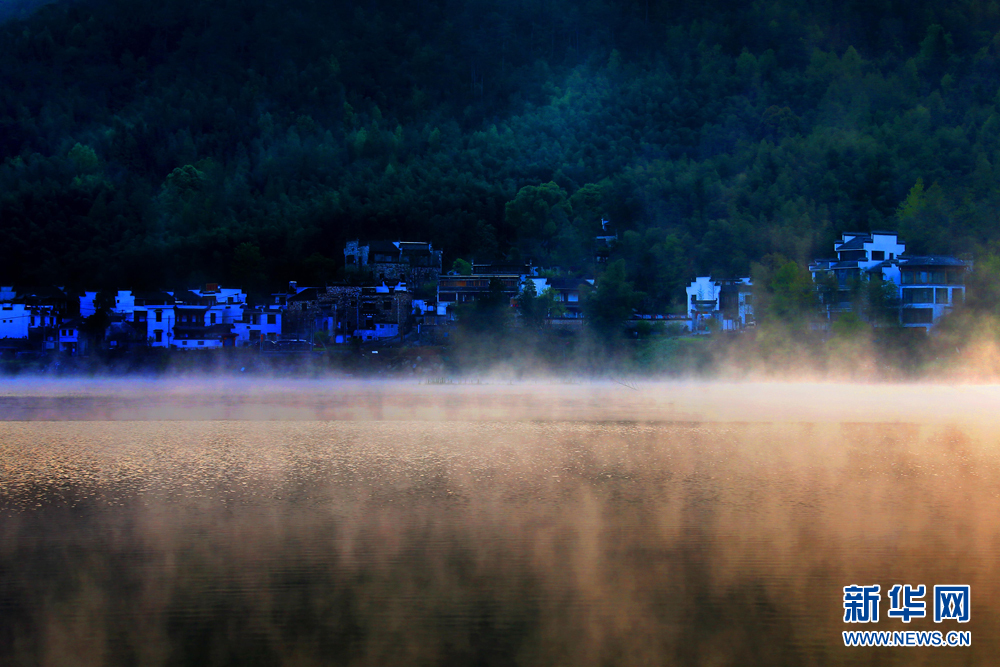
(918, 316)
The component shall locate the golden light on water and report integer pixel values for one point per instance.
(535, 524)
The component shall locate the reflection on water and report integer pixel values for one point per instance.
(481, 542)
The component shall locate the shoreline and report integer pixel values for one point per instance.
(225, 398)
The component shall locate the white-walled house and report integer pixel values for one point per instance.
(14, 320)
(87, 301)
(189, 319)
(728, 302)
(159, 318)
(257, 324)
(71, 341)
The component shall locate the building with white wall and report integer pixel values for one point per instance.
(71, 339)
(860, 256)
(258, 324)
(15, 319)
(729, 303)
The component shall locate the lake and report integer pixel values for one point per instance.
(244, 522)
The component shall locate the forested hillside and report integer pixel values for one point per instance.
(150, 142)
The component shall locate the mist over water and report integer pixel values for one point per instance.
(314, 523)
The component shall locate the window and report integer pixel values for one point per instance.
(212, 318)
(918, 316)
(272, 319)
(184, 342)
(918, 295)
(229, 299)
(159, 318)
(958, 295)
(941, 295)
(386, 304)
(878, 255)
(159, 336)
(201, 342)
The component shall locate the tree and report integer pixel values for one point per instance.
(609, 306)
(784, 293)
(535, 308)
(880, 302)
(248, 266)
(536, 216)
(96, 324)
(489, 313)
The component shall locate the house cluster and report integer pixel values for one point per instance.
(393, 290)
(399, 291)
(57, 319)
(926, 287)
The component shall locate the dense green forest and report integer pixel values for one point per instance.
(154, 142)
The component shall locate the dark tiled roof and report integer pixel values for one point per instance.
(38, 294)
(153, 297)
(382, 247)
(499, 269)
(306, 294)
(930, 260)
(186, 296)
(569, 283)
(857, 243)
(850, 264)
(881, 265)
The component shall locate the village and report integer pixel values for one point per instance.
(397, 294)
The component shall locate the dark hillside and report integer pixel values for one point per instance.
(151, 141)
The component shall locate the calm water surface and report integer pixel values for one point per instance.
(525, 540)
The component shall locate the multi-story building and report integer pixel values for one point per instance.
(370, 312)
(860, 256)
(71, 338)
(927, 286)
(930, 287)
(456, 290)
(412, 262)
(259, 324)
